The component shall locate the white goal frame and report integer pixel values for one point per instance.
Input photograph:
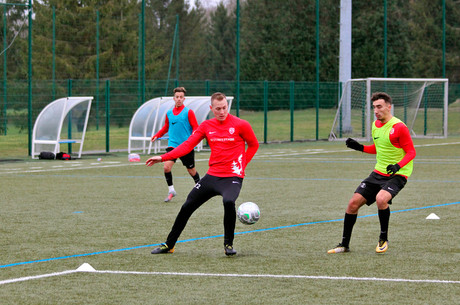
(346, 124)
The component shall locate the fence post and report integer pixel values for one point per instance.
(291, 106)
(5, 45)
(107, 115)
(206, 87)
(139, 64)
(265, 110)
(53, 69)
(97, 70)
(29, 80)
(425, 117)
(69, 128)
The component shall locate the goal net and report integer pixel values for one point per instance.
(420, 103)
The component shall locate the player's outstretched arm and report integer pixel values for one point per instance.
(153, 160)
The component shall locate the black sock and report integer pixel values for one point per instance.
(384, 217)
(196, 178)
(348, 223)
(169, 179)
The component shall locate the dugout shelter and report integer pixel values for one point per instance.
(150, 118)
(62, 121)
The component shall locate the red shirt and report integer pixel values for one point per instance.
(191, 118)
(227, 141)
(399, 138)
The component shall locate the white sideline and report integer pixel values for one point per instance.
(73, 167)
(88, 268)
(28, 278)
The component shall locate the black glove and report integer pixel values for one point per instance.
(393, 168)
(353, 144)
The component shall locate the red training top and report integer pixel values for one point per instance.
(227, 140)
(400, 138)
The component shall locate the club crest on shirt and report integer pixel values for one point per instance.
(231, 130)
(392, 131)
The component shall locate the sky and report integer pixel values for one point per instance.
(208, 3)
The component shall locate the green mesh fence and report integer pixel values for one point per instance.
(278, 111)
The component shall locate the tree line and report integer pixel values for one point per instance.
(277, 39)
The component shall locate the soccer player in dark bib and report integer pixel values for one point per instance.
(227, 137)
(395, 152)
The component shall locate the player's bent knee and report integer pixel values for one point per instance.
(382, 199)
(353, 206)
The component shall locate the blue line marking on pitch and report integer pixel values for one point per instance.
(216, 236)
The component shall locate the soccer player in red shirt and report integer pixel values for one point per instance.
(227, 137)
(180, 123)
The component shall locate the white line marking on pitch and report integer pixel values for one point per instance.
(88, 268)
(279, 276)
(71, 168)
(436, 144)
(28, 278)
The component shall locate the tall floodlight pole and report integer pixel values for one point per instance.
(237, 58)
(345, 60)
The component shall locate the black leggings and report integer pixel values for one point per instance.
(209, 186)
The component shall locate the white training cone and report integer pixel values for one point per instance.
(432, 216)
(86, 268)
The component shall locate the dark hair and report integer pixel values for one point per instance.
(381, 96)
(218, 96)
(180, 89)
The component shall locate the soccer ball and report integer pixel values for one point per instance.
(248, 213)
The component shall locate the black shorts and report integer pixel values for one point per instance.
(370, 186)
(188, 160)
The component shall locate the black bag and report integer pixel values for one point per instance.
(63, 156)
(46, 155)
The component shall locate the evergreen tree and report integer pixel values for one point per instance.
(163, 16)
(426, 30)
(16, 40)
(221, 44)
(453, 41)
(278, 40)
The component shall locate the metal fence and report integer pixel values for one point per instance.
(278, 111)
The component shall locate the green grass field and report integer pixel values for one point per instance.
(58, 215)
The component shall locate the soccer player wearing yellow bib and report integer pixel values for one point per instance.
(395, 152)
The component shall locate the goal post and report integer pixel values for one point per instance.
(421, 103)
